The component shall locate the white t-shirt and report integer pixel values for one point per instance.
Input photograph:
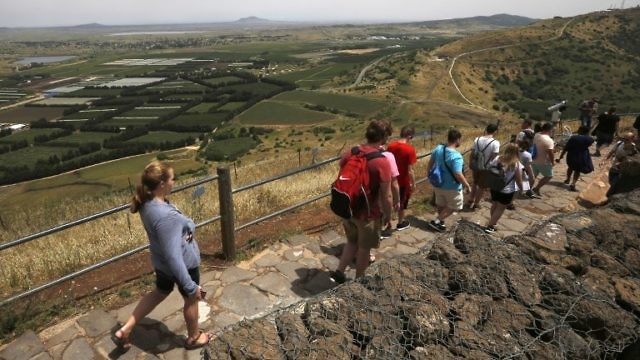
(525, 159)
(509, 176)
(543, 143)
(492, 146)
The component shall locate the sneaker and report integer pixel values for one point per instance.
(511, 207)
(437, 226)
(572, 188)
(566, 182)
(386, 233)
(489, 229)
(337, 277)
(536, 194)
(403, 225)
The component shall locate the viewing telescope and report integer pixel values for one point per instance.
(561, 106)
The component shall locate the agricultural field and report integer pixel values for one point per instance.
(29, 156)
(80, 138)
(231, 106)
(229, 149)
(208, 121)
(275, 113)
(94, 92)
(354, 104)
(255, 88)
(65, 101)
(125, 121)
(202, 108)
(11, 95)
(221, 81)
(28, 135)
(164, 136)
(29, 114)
(179, 86)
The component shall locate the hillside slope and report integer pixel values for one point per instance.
(527, 69)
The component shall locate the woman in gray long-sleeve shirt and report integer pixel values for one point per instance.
(174, 254)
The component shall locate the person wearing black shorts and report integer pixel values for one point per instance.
(509, 160)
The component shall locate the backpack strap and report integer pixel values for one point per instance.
(368, 156)
(444, 160)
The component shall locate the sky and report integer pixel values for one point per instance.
(39, 13)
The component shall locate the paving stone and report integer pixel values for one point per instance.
(203, 312)
(174, 354)
(541, 206)
(293, 270)
(224, 319)
(268, 260)
(79, 349)
(108, 350)
(56, 351)
(311, 263)
(420, 234)
(330, 262)
(402, 249)
(42, 356)
(319, 283)
(25, 346)
(66, 335)
(243, 300)
(299, 239)
(97, 322)
(235, 274)
(314, 247)
(207, 276)
(273, 283)
(331, 238)
(175, 323)
(512, 224)
(293, 254)
(174, 302)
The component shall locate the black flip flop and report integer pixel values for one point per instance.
(121, 342)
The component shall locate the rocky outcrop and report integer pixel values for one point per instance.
(568, 288)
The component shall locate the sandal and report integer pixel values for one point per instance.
(194, 344)
(122, 342)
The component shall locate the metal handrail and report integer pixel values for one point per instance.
(177, 189)
(92, 217)
(284, 175)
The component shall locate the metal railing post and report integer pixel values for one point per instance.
(226, 212)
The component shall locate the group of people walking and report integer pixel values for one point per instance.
(390, 183)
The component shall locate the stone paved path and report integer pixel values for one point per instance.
(277, 277)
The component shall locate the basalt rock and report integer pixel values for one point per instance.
(568, 288)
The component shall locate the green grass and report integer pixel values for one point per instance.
(28, 135)
(147, 112)
(230, 106)
(229, 149)
(83, 137)
(273, 113)
(255, 88)
(161, 136)
(126, 122)
(223, 80)
(213, 119)
(202, 108)
(317, 75)
(30, 155)
(358, 105)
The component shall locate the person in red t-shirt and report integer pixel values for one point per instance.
(405, 155)
(363, 230)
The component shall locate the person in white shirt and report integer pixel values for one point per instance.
(490, 147)
(543, 161)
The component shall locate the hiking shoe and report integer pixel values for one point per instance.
(386, 233)
(337, 277)
(403, 225)
(489, 229)
(437, 226)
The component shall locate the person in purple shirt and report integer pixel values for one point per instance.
(174, 254)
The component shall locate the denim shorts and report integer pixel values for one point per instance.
(165, 282)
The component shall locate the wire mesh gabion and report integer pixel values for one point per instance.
(567, 288)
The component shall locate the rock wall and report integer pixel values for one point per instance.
(568, 288)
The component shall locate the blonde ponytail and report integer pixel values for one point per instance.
(153, 174)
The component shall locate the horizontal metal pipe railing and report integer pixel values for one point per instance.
(283, 211)
(87, 269)
(284, 175)
(92, 217)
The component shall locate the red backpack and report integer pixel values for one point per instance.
(350, 192)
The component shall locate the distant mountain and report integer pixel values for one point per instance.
(89, 26)
(253, 20)
(493, 21)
